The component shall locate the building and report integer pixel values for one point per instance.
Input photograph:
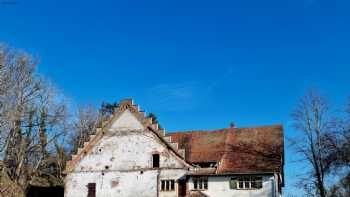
(131, 156)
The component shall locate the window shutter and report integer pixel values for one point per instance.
(233, 183)
(259, 183)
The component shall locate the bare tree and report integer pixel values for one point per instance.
(311, 118)
(31, 117)
(342, 188)
(337, 160)
(83, 126)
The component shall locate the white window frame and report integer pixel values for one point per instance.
(200, 183)
(167, 185)
(246, 182)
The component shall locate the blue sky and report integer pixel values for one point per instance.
(196, 64)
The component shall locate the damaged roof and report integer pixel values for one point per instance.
(237, 150)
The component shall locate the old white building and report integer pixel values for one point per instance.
(131, 156)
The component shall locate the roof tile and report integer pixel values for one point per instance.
(238, 150)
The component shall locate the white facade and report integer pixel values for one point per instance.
(120, 164)
(218, 186)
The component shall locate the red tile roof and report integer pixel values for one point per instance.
(238, 150)
(201, 146)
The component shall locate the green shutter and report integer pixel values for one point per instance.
(233, 183)
(259, 183)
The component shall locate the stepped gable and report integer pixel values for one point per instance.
(147, 122)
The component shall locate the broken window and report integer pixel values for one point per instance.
(200, 183)
(155, 160)
(91, 190)
(246, 182)
(167, 185)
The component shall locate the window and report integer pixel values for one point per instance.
(155, 160)
(200, 183)
(206, 164)
(91, 190)
(246, 182)
(167, 185)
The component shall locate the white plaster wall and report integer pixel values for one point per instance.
(126, 184)
(128, 155)
(128, 150)
(218, 186)
(126, 121)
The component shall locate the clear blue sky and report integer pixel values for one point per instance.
(196, 64)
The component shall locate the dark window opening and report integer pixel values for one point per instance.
(172, 184)
(200, 183)
(91, 190)
(155, 159)
(206, 164)
(247, 182)
(167, 185)
(162, 185)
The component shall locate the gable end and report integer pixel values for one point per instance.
(138, 121)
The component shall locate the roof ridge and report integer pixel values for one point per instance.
(222, 129)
